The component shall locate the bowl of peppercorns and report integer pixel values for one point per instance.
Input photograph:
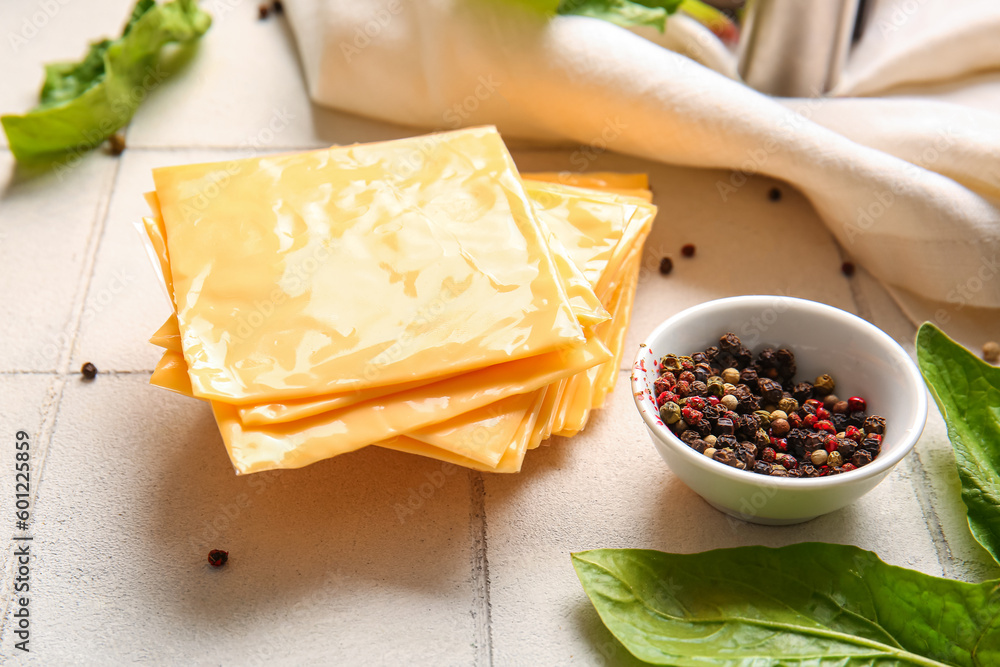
(777, 410)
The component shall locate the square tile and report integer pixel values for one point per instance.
(326, 566)
(47, 221)
(608, 487)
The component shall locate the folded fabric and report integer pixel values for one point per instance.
(908, 188)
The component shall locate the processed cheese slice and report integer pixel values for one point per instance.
(632, 185)
(299, 443)
(364, 271)
(584, 304)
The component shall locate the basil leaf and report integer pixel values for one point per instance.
(625, 13)
(805, 604)
(83, 103)
(967, 392)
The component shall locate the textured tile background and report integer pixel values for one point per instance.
(133, 486)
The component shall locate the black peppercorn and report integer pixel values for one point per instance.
(263, 11)
(116, 144)
(774, 194)
(688, 250)
(218, 557)
(802, 392)
(89, 371)
(769, 390)
(724, 427)
(666, 266)
(847, 268)
(861, 458)
(689, 436)
(724, 441)
(278, 7)
(875, 424)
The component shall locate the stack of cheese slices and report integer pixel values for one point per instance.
(418, 295)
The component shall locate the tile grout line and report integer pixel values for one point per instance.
(918, 472)
(54, 399)
(482, 621)
(16, 373)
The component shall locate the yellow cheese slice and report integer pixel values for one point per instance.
(633, 185)
(299, 443)
(584, 303)
(510, 462)
(361, 271)
(520, 434)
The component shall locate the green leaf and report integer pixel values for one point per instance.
(83, 103)
(626, 13)
(805, 604)
(967, 392)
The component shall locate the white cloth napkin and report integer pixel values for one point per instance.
(908, 183)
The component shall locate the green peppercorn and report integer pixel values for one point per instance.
(715, 389)
(731, 375)
(730, 402)
(714, 378)
(670, 363)
(834, 459)
(824, 385)
(788, 405)
(765, 418)
(818, 457)
(670, 412)
(680, 427)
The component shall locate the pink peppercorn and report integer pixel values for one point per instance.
(856, 404)
(690, 416)
(810, 420)
(822, 413)
(696, 402)
(854, 433)
(831, 443)
(780, 444)
(824, 425)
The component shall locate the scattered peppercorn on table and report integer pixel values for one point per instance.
(416, 295)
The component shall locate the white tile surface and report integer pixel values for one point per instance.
(608, 487)
(46, 226)
(322, 570)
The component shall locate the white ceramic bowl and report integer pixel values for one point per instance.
(862, 359)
